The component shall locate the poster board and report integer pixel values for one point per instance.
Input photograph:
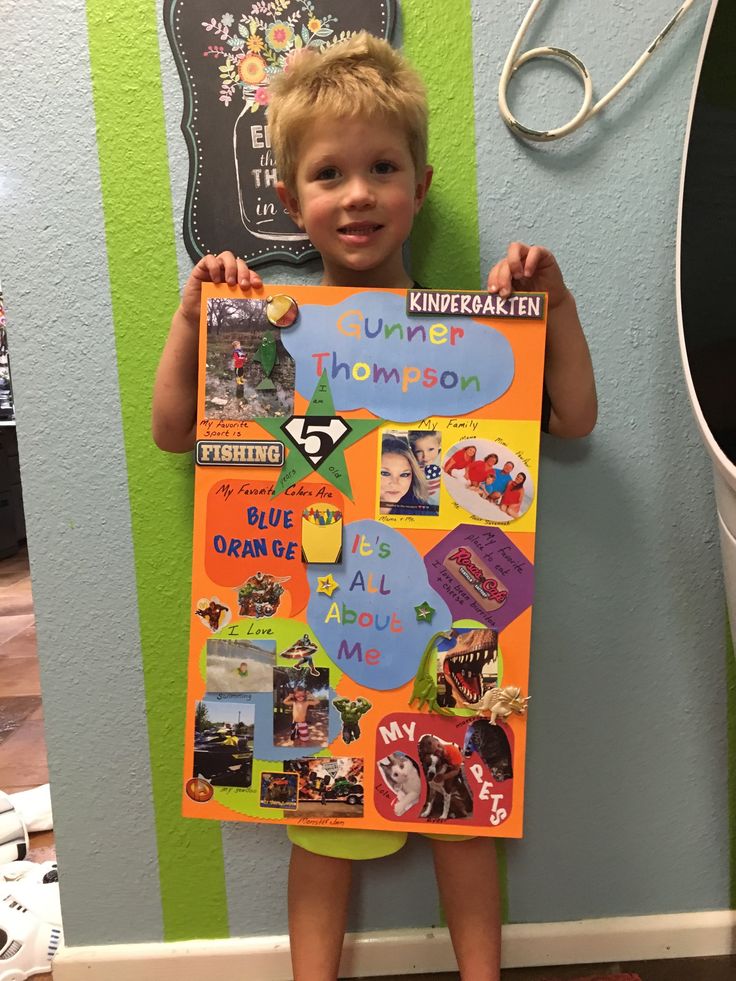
(365, 506)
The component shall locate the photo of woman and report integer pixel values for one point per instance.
(457, 463)
(403, 488)
(512, 497)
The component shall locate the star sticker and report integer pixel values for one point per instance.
(424, 612)
(327, 585)
(317, 441)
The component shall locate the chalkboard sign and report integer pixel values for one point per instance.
(227, 54)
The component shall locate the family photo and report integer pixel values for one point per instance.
(488, 480)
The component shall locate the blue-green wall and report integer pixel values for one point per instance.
(626, 801)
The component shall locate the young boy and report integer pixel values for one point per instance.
(426, 445)
(301, 701)
(238, 362)
(501, 480)
(349, 133)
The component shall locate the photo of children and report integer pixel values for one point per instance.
(239, 665)
(328, 787)
(249, 371)
(223, 741)
(488, 480)
(300, 707)
(404, 488)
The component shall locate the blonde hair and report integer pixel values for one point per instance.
(399, 445)
(360, 76)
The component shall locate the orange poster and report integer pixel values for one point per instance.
(365, 505)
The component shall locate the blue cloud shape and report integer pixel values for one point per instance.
(369, 625)
(398, 366)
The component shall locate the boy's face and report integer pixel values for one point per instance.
(426, 449)
(356, 196)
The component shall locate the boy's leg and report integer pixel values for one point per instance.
(319, 886)
(467, 879)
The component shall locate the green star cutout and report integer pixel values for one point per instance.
(424, 612)
(332, 467)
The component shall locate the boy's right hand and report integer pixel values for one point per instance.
(222, 268)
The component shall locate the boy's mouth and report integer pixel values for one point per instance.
(359, 230)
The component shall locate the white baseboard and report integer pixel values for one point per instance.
(392, 954)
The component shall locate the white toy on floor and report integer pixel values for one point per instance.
(30, 919)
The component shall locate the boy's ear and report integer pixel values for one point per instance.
(291, 203)
(422, 188)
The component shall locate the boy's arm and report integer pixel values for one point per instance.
(174, 416)
(568, 370)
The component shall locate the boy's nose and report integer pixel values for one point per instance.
(359, 194)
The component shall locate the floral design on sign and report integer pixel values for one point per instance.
(260, 43)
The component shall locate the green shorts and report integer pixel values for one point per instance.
(355, 843)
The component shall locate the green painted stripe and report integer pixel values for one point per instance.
(126, 80)
(731, 696)
(445, 240)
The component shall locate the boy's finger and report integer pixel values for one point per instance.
(229, 268)
(214, 268)
(492, 284)
(516, 254)
(514, 258)
(247, 277)
(532, 260)
(505, 279)
(202, 270)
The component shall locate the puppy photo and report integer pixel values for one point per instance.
(401, 775)
(448, 795)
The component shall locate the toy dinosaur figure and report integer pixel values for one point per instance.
(266, 354)
(502, 702)
(424, 692)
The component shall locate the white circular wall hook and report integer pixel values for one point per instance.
(514, 62)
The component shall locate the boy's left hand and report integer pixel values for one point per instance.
(529, 268)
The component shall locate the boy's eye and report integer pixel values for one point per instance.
(326, 174)
(384, 167)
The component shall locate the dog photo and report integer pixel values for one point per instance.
(448, 794)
